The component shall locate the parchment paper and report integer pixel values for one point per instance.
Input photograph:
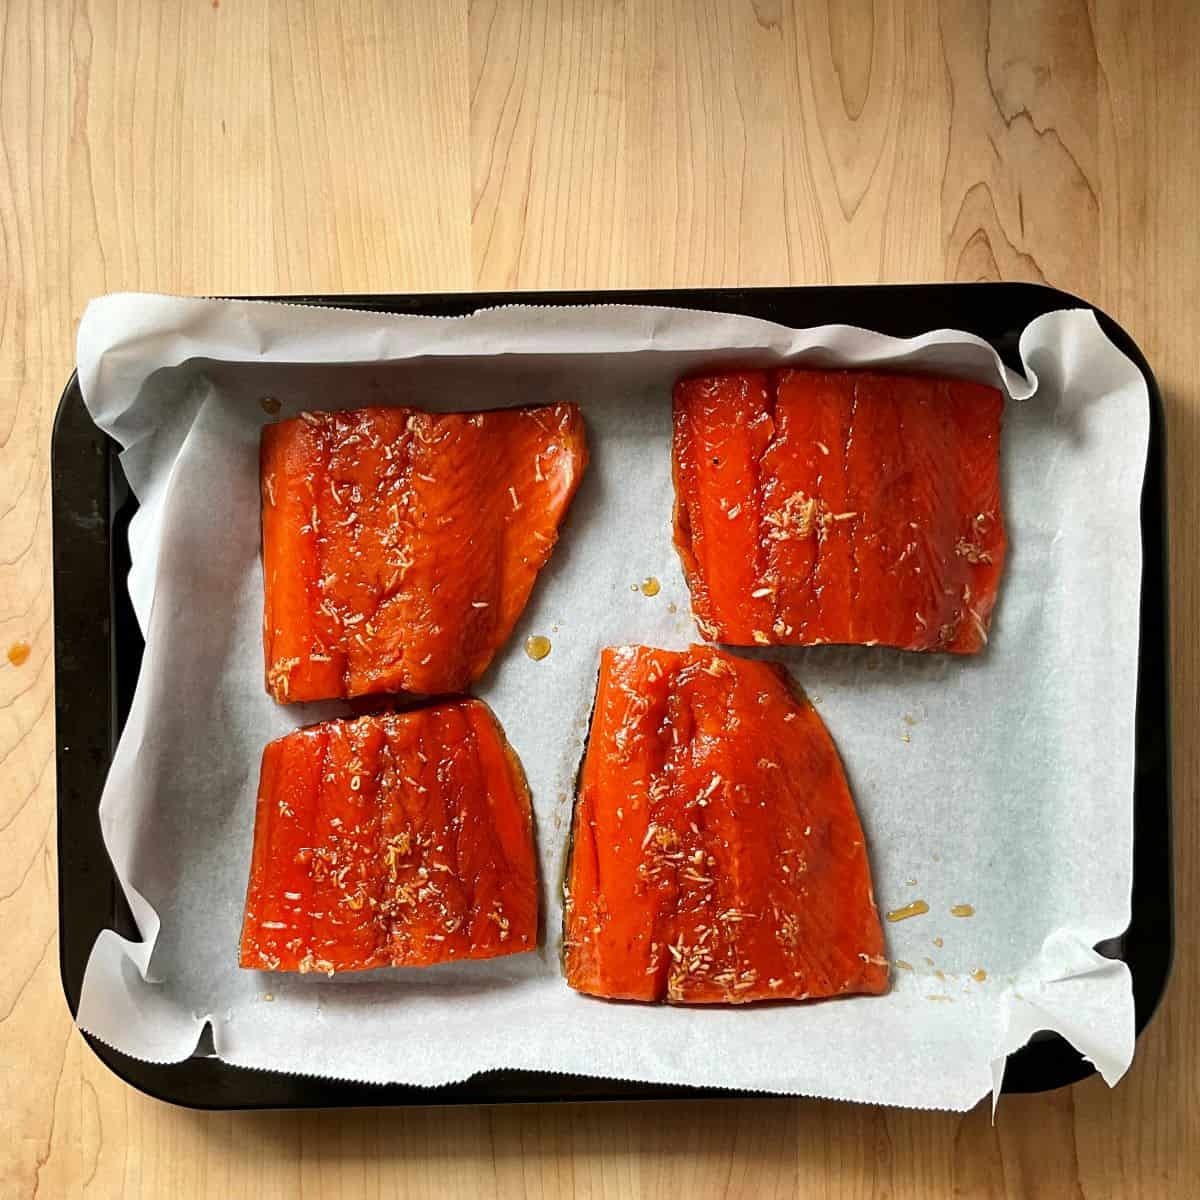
(1003, 781)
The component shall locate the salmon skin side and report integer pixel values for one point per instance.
(400, 546)
(716, 853)
(400, 839)
(852, 507)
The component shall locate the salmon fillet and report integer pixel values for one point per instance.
(400, 546)
(839, 506)
(716, 853)
(402, 839)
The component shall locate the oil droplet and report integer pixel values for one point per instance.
(672, 608)
(915, 909)
(537, 647)
(940, 975)
(270, 405)
(910, 883)
(906, 736)
(633, 587)
(650, 586)
(268, 996)
(909, 719)
(18, 653)
(980, 975)
(938, 942)
(962, 910)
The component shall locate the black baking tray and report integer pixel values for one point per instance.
(98, 649)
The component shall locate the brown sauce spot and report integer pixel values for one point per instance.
(537, 647)
(916, 909)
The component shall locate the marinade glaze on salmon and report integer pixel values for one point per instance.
(717, 856)
(839, 506)
(400, 546)
(402, 839)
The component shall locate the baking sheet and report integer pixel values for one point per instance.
(1003, 782)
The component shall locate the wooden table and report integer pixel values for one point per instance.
(207, 147)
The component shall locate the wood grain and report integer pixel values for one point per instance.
(286, 146)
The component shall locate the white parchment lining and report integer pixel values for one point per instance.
(1004, 781)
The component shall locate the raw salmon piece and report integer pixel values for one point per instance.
(716, 854)
(400, 546)
(402, 840)
(839, 506)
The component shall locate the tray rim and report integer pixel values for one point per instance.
(204, 1082)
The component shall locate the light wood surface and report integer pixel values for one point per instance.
(311, 147)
